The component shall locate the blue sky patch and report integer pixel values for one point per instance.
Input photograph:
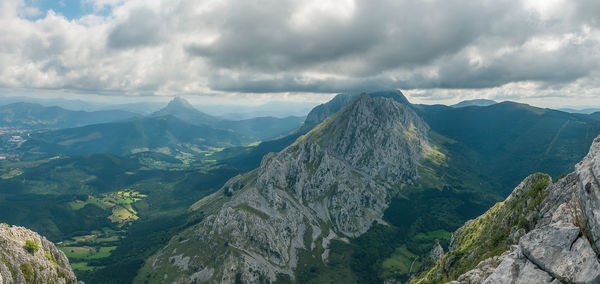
(71, 9)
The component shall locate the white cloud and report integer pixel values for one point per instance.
(437, 49)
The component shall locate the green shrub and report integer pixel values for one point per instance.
(49, 257)
(31, 246)
(27, 271)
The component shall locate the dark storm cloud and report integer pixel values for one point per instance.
(142, 28)
(292, 83)
(393, 35)
(388, 34)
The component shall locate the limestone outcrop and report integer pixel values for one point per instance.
(26, 257)
(552, 230)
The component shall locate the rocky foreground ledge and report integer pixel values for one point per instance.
(544, 232)
(27, 257)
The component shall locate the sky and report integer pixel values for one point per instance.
(542, 52)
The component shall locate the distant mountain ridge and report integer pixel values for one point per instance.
(36, 116)
(165, 134)
(475, 102)
(583, 111)
(253, 129)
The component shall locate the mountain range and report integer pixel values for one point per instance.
(252, 129)
(165, 134)
(353, 175)
(36, 116)
(368, 189)
(177, 129)
(476, 102)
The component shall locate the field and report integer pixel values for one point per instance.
(86, 252)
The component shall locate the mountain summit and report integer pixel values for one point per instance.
(323, 111)
(332, 183)
(179, 104)
(182, 109)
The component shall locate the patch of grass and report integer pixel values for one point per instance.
(399, 263)
(27, 271)
(31, 246)
(87, 253)
(49, 256)
(12, 173)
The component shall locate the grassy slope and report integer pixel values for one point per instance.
(518, 138)
(488, 234)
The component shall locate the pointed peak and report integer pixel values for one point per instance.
(180, 102)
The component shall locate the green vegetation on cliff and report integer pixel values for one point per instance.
(490, 234)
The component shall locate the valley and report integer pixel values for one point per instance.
(113, 195)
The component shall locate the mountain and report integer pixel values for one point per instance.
(545, 140)
(36, 116)
(166, 134)
(27, 257)
(182, 109)
(476, 102)
(253, 129)
(454, 181)
(323, 111)
(583, 111)
(333, 182)
(544, 232)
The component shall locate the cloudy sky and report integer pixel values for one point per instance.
(544, 52)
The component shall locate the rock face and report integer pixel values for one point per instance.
(41, 262)
(323, 111)
(333, 182)
(556, 240)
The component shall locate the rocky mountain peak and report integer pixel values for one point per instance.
(179, 103)
(26, 257)
(333, 182)
(544, 232)
(323, 111)
(182, 109)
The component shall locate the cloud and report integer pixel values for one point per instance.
(325, 46)
(142, 28)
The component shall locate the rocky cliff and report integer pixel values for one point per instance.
(26, 257)
(323, 111)
(543, 232)
(333, 182)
